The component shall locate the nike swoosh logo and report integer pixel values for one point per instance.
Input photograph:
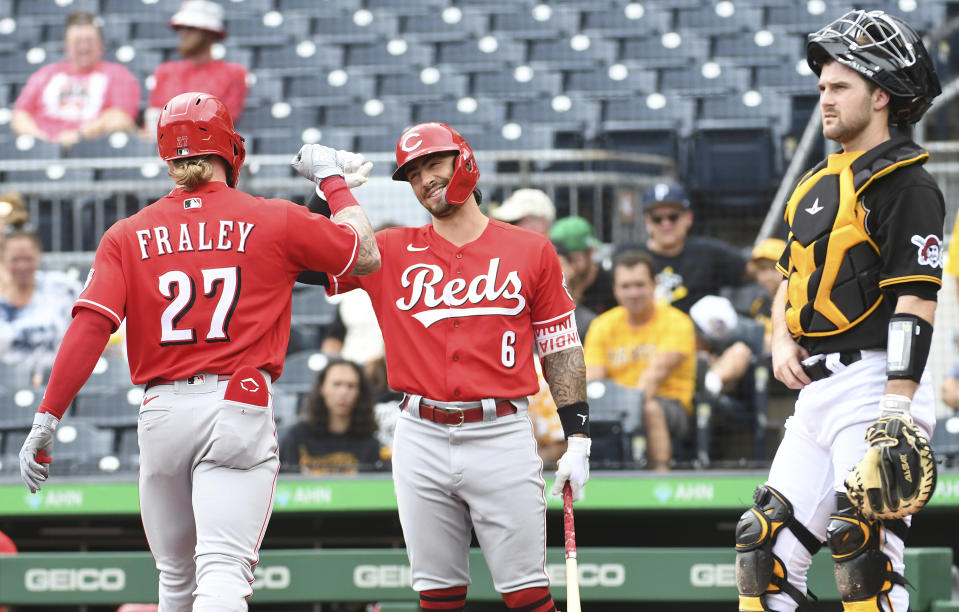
(812, 210)
(410, 247)
(149, 399)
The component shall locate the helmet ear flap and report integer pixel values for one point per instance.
(464, 178)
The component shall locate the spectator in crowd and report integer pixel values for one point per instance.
(649, 345)
(199, 23)
(13, 216)
(336, 432)
(34, 305)
(81, 97)
(528, 208)
(687, 267)
(589, 284)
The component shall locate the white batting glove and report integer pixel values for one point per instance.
(356, 169)
(316, 162)
(35, 469)
(573, 466)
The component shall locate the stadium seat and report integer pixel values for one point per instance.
(613, 22)
(596, 83)
(559, 54)
(744, 21)
(342, 29)
(742, 50)
(409, 86)
(284, 60)
(690, 81)
(615, 415)
(649, 52)
(128, 449)
(285, 408)
(259, 121)
(629, 114)
(300, 371)
(79, 445)
(583, 114)
(109, 408)
(393, 115)
(265, 88)
(154, 33)
(319, 91)
(521, 23)
(795, 18)
(734, 160)
(728, 111)
(310, 306)
(503, 85)
(375, 58)
(20, 403)
(110, 374)
(784, 79)
(533, 137)
(427, 24)
(488, 112)
(322, 7)
(254, 32)
(466, 56)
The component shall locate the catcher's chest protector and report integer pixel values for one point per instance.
(833, 263)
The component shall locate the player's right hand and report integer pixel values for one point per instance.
(37, 450)
(573, 466)
(787, 357)
(316, 162)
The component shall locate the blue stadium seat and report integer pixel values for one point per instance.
(310, 306)
(742, 49)
(734, 161)
(284, 60)
(16, 68)
(375, 59)
(704, 19)
(408, 86)
(321, 7)
(613, 22)
(154, 33)
(582, 115)
(264, 88)
(111, 374)
(521, 24)
(300, 370)
(782, 79)
(625, 114)
(649, 52)
(465, 55)
(285, 407)
(691, 82)
(107, 408)
(502, 84)
(54, 11)
(596, 83)
(728, 111)
(128, 449)
(317, 90)
(795, 18)
(407, 7)
(162, 9)
(430, 27)
(79, 445)
(382, 141)
(19, 405)
(259, 121)
(533, 137)
(559, 54)
(252, 31)
(489, 112)
(281, 142)
(394, 115)
(342, 29)
(654, 141)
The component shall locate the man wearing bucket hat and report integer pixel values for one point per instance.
(528, 208)
(199, 24)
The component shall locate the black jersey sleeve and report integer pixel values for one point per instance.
(907, 228)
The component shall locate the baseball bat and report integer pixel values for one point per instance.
(572, 569)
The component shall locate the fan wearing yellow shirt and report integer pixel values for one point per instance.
(648, 345)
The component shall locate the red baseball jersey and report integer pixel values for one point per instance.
(205, 278)
(460, 322)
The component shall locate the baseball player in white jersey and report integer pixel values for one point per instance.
(852, 321)
(204, 278)
(462, 303)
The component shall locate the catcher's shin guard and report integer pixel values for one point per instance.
(864, 574)
(758, 571)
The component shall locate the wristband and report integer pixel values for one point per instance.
(575, 418)
(337, 193)
(907, 347)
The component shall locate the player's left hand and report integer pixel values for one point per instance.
(897, 476)
(356, 170)
(35, 455)
(573, 466)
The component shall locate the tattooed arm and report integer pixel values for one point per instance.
(565, 372)
(368, 255)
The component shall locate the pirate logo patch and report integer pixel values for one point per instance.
(929, 250)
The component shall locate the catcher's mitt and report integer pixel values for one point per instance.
(897, 476)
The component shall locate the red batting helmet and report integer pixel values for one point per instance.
(428, 138)
(196, 123)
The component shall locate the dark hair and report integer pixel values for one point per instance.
(317, 415)
(632, 258)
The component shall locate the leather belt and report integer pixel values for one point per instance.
(448, 415)
(818, 369)
(164, 381)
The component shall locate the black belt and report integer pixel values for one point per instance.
(818, 370)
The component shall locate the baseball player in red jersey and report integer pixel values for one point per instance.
(204, 278)
(462, 303)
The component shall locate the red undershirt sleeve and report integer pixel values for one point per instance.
(80, 349)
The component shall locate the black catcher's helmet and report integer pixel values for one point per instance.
(887, 51)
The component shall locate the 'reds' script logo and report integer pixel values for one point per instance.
(459, 297)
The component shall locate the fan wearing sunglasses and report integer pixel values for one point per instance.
(686, 267)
